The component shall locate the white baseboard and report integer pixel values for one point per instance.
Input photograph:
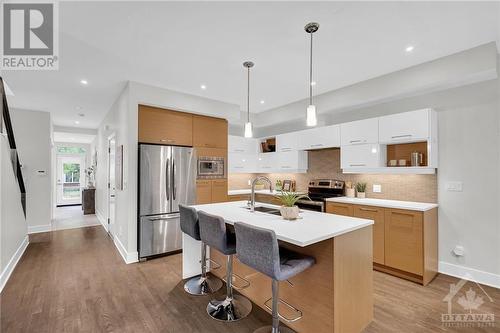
(128, 257)
(101, 219)
(39, 228)
(7, 271)
(472, 274)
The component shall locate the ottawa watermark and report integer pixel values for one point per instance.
(464, 306)
(30, 38)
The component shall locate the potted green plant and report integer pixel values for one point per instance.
(361, 190)
(289, 210)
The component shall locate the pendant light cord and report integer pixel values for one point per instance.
(248, 95)
(311, 72)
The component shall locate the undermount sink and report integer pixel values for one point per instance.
(268, 210)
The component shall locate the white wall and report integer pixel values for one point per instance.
(32, 131)
(13, 226)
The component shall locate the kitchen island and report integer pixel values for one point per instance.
(335, 295)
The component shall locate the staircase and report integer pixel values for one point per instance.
(6, 129)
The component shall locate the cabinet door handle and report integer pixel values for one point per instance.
(285, 149)
(286, 167)
(317, 145)
(401, 136)
(368, 210)
(167, 140)
(354, 141)
(239, 150)
(357, 165)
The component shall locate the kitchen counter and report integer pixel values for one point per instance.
(340, 284)
(408, 205)
(265, 192)
(312, 227)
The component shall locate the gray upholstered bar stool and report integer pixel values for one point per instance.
(203, 284)
(258, 248)
(214, 233)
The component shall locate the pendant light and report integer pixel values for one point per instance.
(248, 124)
(311, 118)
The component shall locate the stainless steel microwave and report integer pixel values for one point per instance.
(211, 167)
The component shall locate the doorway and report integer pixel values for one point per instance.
(70, 179)
(111, 184)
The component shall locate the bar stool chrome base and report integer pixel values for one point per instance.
(269, 329)
(199, 285)
(230, 309)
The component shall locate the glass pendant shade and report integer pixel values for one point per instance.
(311, 116)
(248, 130)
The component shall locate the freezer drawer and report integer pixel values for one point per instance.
(160, 234)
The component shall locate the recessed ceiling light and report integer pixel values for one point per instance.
(410, 48)
(77, 122)
(203, 87)
(72, 139)
(78, 107)
(81, 114)
(262, 102)
(313, 83)
(84, 82)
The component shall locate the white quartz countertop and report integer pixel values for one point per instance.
(312, 227)
(248, 191)
(409, 205)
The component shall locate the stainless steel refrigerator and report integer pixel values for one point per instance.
(167, 178)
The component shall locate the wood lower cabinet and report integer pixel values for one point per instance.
(209, 132)
(404, 241)
(211, 191)
(339, 209)
(219, 190)
(166, 127)
(239, 197)
(377, 215)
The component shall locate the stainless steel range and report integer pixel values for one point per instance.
(318, 191)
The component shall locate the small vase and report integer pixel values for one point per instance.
(361, 195)
(349, 192)
(289, 213)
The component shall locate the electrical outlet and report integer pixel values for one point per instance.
(249, 183)
(454, 186)
(377, 188)
(459, 251)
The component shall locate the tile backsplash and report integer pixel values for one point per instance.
(326, 164)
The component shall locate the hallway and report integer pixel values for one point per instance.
(69, 217)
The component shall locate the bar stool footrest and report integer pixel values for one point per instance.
(235, 276)
(288, 305)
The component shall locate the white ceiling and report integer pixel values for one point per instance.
(73, 137)
(181, 45)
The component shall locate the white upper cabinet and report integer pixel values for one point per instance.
(267, 162)
(286, 142)
(359, 132)
(239, 144)
(292, 161)
(242, 163)
(319, 138)
(362, 156)
(405, 127)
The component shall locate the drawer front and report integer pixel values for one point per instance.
(404, 240)
(339, 209)
(377, 215)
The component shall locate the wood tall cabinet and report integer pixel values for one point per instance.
(207, 134)
(404, 241)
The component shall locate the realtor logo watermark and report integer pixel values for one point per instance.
(468, 314)
(30, 39)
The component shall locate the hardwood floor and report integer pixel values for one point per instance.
(75, 281)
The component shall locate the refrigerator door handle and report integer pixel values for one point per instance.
(167, 182)
(164, 218)
(173, 180)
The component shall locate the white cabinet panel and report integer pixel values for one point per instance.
(362, 156)
(242, 163)
(359, 132)
(239, 144)
(267, 162)
(293, 161)
(319, 138)
(405, 127)
(286, 142)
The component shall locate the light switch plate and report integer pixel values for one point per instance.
(454, 186)
(377, 188)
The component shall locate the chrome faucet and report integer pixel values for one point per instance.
(252, 197)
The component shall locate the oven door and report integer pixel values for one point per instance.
(317, 206)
